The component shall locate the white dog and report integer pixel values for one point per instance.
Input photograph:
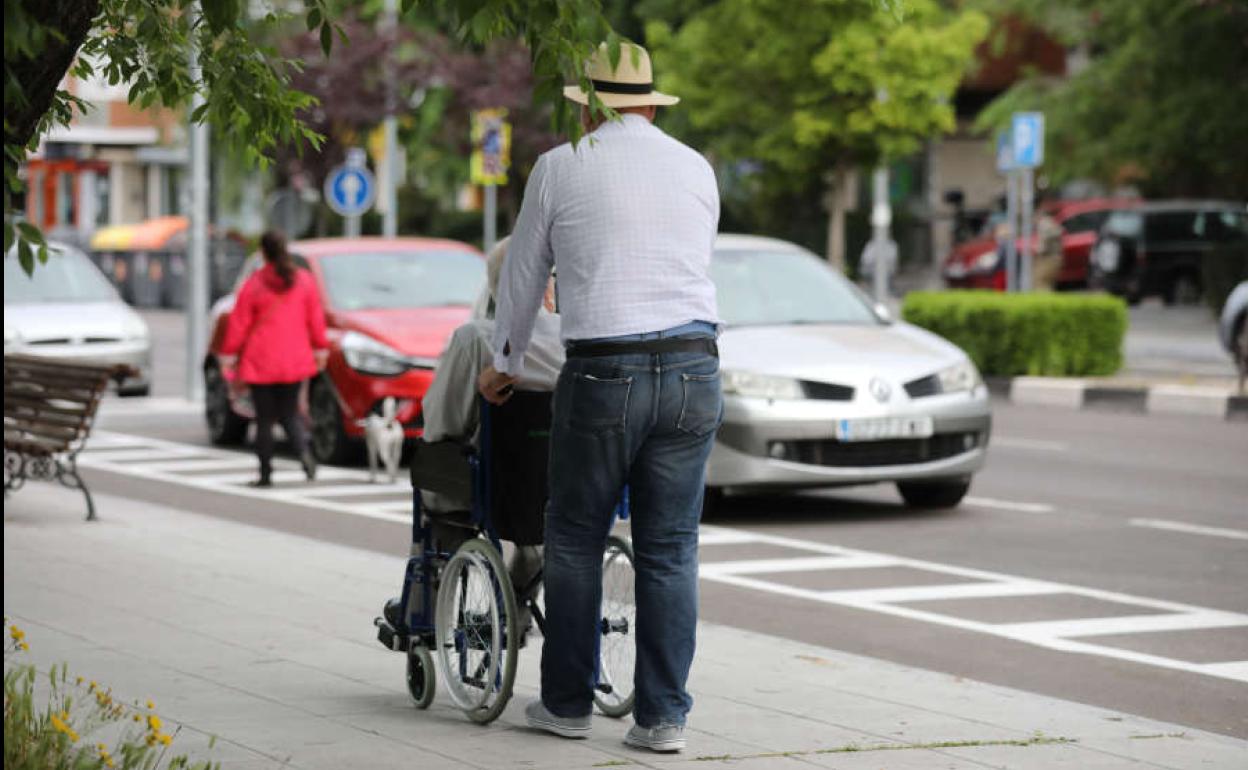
(384, 437)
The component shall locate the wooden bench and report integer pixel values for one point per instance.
(49, 408)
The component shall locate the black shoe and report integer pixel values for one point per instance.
(308, 461)
(391, 613)
(264, 482)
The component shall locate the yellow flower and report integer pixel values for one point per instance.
(166, 739)
(79, 680)
(137, 718)
(151, 740)
(92, 686)
(61, 726)
(154, 723)
(23, 646)
(17, 633)
(151, 705)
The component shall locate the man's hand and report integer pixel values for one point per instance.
(228, 363)
(495, 386)
(322, 359)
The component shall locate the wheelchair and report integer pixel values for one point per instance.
(458, 604)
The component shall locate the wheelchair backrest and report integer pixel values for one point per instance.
(515, 442)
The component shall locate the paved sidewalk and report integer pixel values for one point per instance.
(265, 640)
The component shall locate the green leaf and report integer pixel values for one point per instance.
(327, 39)
(26, 257)
(314, 19)
(31, 233)
(10, 233)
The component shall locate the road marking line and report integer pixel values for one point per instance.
(712, 535)
(1237, 669)
(1008, 505)
(349, 490)
(935, 593)
(395, 507)
(139, 407)
(1127, 624)
(125, 456)
(802, 564)
(209, 464)
(1191, 529)
(1039, 445)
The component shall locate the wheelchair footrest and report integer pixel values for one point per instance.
(389, 637)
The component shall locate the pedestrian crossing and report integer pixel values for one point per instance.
(1052, 615)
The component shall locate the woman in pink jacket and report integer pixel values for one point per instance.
(276, 336)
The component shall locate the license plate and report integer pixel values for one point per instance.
(882, 428)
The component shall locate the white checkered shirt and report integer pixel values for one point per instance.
(628, 219)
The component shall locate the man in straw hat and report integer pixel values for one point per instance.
(628, 218)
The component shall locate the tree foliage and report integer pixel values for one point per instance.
(1161, 103)
(245, 82)
(804, 86)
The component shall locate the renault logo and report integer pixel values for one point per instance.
(880, 389)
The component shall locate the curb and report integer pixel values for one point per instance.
(1076, 394)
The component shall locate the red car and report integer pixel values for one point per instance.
(977, 263)
(391, 305)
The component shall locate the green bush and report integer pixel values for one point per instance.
(1033, 334)
(1222, 271)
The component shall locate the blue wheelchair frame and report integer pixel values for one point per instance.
(422, 570)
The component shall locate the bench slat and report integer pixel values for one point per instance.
(58, 366)
(33, 446)
(42, 429)
(85, 396)
(41, 379)
(31, 402)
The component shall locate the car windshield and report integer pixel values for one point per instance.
(67, 276)
(402, 279)
(774, 287)
(1124, 223)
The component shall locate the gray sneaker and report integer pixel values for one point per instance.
(567, 727)
(661, 738)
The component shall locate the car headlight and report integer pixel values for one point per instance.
(958, 378)
(986, 261)
(370, 356)
(752, 384)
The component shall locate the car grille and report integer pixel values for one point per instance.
(827, 391)
(924, 386)
(868, 454)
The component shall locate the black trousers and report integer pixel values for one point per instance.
(277, 403)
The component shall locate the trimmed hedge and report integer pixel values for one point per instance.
(1033, 334)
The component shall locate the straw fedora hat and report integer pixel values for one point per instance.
(630, 84)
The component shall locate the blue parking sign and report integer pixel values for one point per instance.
(350, 190)
(1027, 137)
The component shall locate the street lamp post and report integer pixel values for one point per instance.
(197, 253)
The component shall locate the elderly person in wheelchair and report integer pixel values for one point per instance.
(450, 411)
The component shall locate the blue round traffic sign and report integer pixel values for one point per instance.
(350, 190)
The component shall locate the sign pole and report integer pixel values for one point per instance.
(491, 217)
(1011, 230)
(389, 176)
(1025, 183)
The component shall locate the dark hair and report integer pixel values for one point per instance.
(273, 247)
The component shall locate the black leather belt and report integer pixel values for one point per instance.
(646, 347)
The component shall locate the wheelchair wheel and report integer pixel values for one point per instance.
(617, 647)
(475, 625)
(421, 678)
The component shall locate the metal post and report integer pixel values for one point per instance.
(351, 227)
(881, 246)
(491, 216)
(197, 257)
(1027, 194)
(388, 178)
(1011, 231)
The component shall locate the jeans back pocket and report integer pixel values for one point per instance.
(702, 403)
(599, 404)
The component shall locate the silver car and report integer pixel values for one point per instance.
(68, 310)
(822, 389)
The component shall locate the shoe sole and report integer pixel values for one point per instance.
(676, 744)
(561, 730)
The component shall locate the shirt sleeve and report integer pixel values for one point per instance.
(450, 404)
(240, 320)
(525, 273)
(315, 314)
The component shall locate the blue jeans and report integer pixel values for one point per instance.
(647, 421)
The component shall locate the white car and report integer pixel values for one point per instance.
(68, 310)
(822, 389)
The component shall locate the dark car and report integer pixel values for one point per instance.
(1158, 249)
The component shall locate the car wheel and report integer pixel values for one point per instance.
(1239, 343)
(225, 428)
(330, 443)
(934, 494)
(1183, 289)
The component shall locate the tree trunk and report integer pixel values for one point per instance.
(841, 195)
(40, 76)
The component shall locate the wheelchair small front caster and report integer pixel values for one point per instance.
(421, 678)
